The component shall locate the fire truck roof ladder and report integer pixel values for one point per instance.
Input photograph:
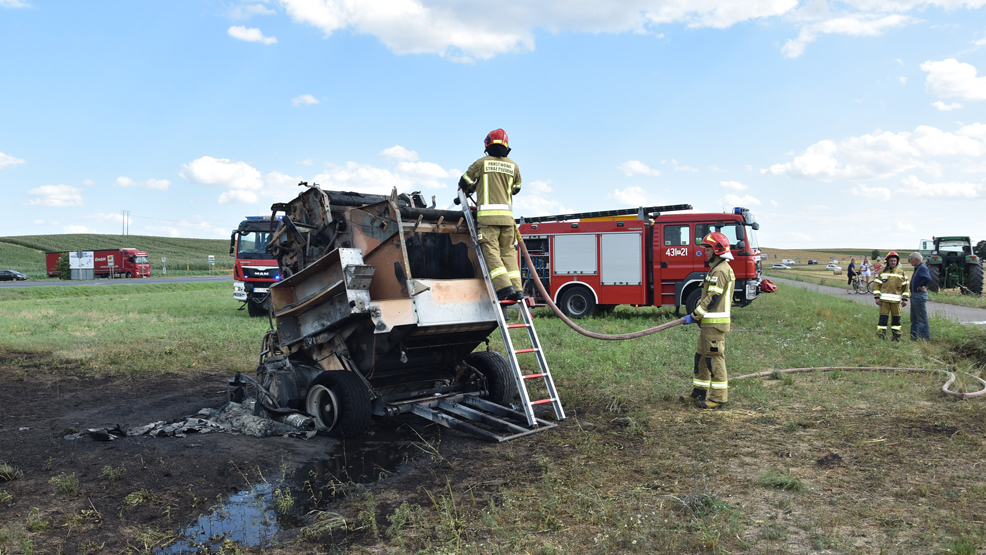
(519, 377)
(648, 211)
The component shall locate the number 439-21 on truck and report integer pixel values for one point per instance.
(593, 261)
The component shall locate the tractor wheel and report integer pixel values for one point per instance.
(691, 303)
(935, 272)
(340, 404)
(975, 275)
(499, 378)
(577, 302)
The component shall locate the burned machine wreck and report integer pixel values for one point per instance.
(381, 308)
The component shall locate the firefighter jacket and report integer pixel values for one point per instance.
(891, 285)
(717, 297)
(496, 181)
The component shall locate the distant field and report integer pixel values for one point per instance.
(25, 253)
(822, 255)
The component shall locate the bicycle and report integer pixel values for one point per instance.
(861, 286)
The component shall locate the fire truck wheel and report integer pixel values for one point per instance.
(692, 302)
(339, 403)
(577, 302)
(256, 309)
(499, 379)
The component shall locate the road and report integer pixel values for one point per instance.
(57, 282)
(961, 314)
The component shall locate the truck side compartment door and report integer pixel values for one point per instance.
(675, 256)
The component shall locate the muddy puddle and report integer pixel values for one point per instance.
(254, 517)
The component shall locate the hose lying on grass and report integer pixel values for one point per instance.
(574, 326)
(945, 388)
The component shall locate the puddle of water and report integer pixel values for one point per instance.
(246, 518)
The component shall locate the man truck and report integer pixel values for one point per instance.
(254, 270)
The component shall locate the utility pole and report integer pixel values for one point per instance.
(126, 222)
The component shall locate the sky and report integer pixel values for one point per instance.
(839, 124)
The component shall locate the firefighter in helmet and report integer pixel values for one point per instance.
(496, 179)
(712, 316)
(891, 291)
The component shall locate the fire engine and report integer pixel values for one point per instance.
(594, 261)
(254, 269)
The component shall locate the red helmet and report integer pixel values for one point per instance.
(718, 242)
(893, 254)
(496, 137)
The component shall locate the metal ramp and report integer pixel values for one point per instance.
(520, 378)
(478, 417)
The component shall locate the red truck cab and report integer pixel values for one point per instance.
(254, 270)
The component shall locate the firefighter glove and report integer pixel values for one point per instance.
(689, 319)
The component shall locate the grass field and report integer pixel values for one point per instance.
(25, 253)
(842, 462)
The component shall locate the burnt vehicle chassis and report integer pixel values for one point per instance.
(381, 308)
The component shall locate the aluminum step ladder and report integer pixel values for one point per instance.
(520, 378)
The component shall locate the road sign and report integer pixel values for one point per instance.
(212, 259)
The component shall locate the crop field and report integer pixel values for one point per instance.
(25, 253)
(834, 462)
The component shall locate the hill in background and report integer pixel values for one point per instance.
(26, 253)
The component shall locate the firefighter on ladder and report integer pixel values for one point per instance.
(712, 315)
(496, 179)
(891, 291)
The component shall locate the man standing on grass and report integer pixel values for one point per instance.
(919, 298)
(890, 292)
(712, 314)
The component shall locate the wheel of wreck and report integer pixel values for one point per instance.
(499, 379)
(339, 403)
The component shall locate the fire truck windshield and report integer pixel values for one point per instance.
(253, 244)
(733, 231)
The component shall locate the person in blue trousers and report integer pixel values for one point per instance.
(920, 330)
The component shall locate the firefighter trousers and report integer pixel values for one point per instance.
(498, 243)
(710, 379)
(889, 313)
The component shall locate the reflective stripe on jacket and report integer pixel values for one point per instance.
(891, 285)
(495, 181)
(717, 296)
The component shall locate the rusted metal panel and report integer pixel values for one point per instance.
(453, 301)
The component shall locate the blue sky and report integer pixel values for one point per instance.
(839, 124)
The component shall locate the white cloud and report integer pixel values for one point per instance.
(397, 152)
(156, 184)
(56, 195)
(536, 200)
(745, 200)
(466, 31)
(916, 188)
(304, 100)
(305, 162)
(734, 185)
(980, 42)
(904, 226)
(636, 167)
(883, 154)
(39, 222)
(406, 176)
(7, 160)
(681, 168)
(634, 196)
(13, 4)
(77, 229)
(241, 179)
(246, 11)
(946, 107)
(951, 77)
(249, 34)
(424, 173)
(878, 193)
(103, 217)
(857, 25)
(903, 80)
(773, 203)
(88, 182)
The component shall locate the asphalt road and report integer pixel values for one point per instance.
(961, 314)
(57, 282)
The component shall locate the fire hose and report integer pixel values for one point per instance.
(946, 388)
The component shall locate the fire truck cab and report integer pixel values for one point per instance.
(254, 270)
(595, 261)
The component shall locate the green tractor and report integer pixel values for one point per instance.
(953, 264)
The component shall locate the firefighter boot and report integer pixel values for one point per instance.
(696, 396)
(895, 337)
(710, 405)
(505, 293)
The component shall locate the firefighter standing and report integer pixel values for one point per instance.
(496, 179)
(712, 314)
(890, 289)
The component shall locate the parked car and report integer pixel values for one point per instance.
(788, 261)
(813, 262)
(781, 267)
(833, 266)
(11, 275)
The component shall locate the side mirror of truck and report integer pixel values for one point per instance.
(232, 243)
(741, 245)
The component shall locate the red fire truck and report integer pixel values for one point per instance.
(254, 270)
(130, 263)
(593, 261)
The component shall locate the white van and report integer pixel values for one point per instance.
(788, 261)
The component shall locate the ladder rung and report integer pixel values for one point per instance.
(542, 401)
(518, 351)
(512, 326)
(533, 376)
